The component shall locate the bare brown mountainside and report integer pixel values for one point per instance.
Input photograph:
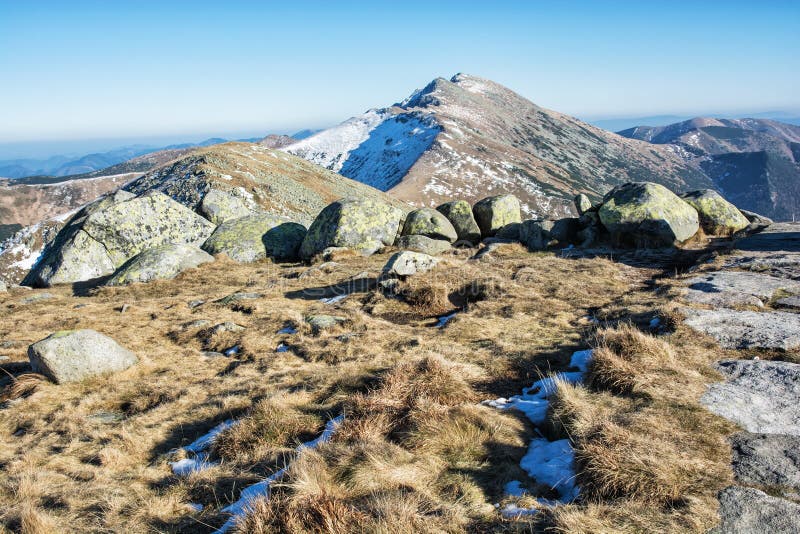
(468, 137)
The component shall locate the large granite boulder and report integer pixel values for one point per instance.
(748, 511)
(744, 329)
(109, 232)
(717, 215)
(459, 213)
(219, 206)
(362, 225)
(540, 235)
(255, 237)
(74, 355)
(420, 243)
(408, 263)
(493, 213)
(159, 263)
(430, 223)
(766, 459)
(647, 214)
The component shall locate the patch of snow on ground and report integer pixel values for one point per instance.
(260, 489)
(197, 458)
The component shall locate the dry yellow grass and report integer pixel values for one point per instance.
(416, 452)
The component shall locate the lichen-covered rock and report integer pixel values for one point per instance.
(647, 214)
(430, 223)
(255, 237)
(74, 355)
(582, 203)
(107, 233)
(220, 206)
(420, 243)
(362, 225)
(408, 263)
(160, 263)
(493, 213)
(459, 213)
(717, 215)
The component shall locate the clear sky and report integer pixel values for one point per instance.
(80, 69)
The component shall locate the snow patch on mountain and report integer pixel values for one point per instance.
(376, 148)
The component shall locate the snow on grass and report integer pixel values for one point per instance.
(260, 489)
(548, 462)
(197, 457)
(443, 320)
(334, 300)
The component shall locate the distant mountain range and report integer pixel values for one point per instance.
(755, 163)
(60, 166)
(468, 137)
(617, 124)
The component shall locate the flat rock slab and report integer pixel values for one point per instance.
(730, 288)
(789, 302)
(749, 511)
(778, 236)
(761, 396)
(766, 459)
(747, 329)
(779, 264)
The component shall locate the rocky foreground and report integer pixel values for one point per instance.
(215, 362)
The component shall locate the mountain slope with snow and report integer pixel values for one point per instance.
(468, 137)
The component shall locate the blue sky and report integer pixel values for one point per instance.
(78, 69)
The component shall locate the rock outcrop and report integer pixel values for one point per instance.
(493, 213)
(255, 237)
(362, 225)
(717, 215)
(74, 355)
(429, 223)
(648, 213)
(459, 213)
(160, 263)
(107, 233)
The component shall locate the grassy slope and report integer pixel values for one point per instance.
(416, 452)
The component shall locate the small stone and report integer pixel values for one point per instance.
(322, 322)
(195, 304)
(408, 263)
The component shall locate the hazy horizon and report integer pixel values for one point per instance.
(85, 70)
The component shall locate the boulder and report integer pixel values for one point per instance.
(322, 322)
(219, 206)
(493, 213)
(74, 355)
(535, 234)
(160, 263)
(717, 215)
(109, 232)
(760, 396)
(255, 237)
(362, 225)
(582, 203)
(459, 213)
(647, 214)
(748, 510)
(430, 223)
(420, 243)
(755, 218)
(766, 459)
(744, 329)
(509, 232)
(408, 263)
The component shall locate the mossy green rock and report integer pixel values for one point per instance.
(647, 214)
(362, 225)
(255, 237)
(493, 213)
(109, 232)
(421, 243)
(74, 355)
(430, 223)
(160, 263)
(717, 215)
(459, 213)
(582, 203)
